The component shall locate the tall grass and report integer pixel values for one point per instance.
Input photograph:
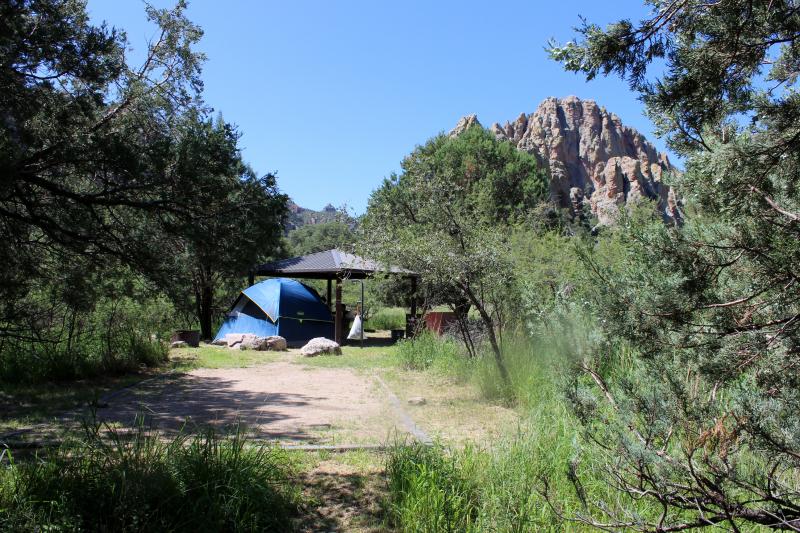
(427, 351)
(500, 486)
(141, 482)
(387, 318)
(432, 490)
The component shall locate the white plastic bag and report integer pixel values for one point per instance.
(356, 331)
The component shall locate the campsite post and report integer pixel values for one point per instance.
(337, 333)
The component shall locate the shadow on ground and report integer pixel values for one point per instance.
(343, 501)
(187, 403)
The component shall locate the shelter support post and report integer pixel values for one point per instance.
(411, 318)
(328, 301)
(362, 313)
(251, 278)
(339, 313)
(413, 297)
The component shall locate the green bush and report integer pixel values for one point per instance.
(113, 336)
(427, 350)
(142, 482)
(387, 318)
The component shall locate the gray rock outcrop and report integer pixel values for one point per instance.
(591, 157)
(319, 346)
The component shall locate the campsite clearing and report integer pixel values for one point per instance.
(281, 396)
(322, 402)
(277, 401)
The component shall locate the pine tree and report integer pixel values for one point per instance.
(707, 423)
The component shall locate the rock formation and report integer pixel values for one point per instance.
(591, 156)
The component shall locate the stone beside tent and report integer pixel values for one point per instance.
(247, 341)
(321, 346)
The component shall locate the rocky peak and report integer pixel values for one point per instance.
(591, 156)
(464, 124)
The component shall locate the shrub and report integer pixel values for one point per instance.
(142, 482)
(388, 318)
(427, 350)
(113, 336)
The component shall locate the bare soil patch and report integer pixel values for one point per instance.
(279, 401)
(344, 498)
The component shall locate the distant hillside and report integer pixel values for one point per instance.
(301, 216)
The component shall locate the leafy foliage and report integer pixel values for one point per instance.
(88, 326)
(113, 169)
(320, 237)
(444, 216)
(707, 423)
(246, 226)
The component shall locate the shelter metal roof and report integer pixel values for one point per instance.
(327, 265)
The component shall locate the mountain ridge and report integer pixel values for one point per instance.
(591, 156)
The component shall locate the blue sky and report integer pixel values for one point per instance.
(333, 94)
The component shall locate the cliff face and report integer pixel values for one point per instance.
(592, 157)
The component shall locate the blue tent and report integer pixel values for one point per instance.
(279, 306)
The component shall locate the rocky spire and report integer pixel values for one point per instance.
(591, 156)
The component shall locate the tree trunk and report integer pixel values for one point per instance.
(461, 310)
(489, 323)
(206, 303)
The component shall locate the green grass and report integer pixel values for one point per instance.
(145, 483)
(427, 350)
(387, 318)
(497, 486)
(432, 490)
(355, 357)
(23, 405)
(208, 356)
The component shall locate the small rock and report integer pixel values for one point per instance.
(417, 400)
(178, 344)
(321, 345)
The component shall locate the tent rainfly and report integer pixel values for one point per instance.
(279, 306)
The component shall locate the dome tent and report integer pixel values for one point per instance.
(279, 306)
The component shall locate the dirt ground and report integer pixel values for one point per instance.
(282, 401)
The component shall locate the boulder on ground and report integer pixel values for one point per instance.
(250, 342)
(254, 342)
(178, 344)
(321, 345)
(276, 343)
(234, 339)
